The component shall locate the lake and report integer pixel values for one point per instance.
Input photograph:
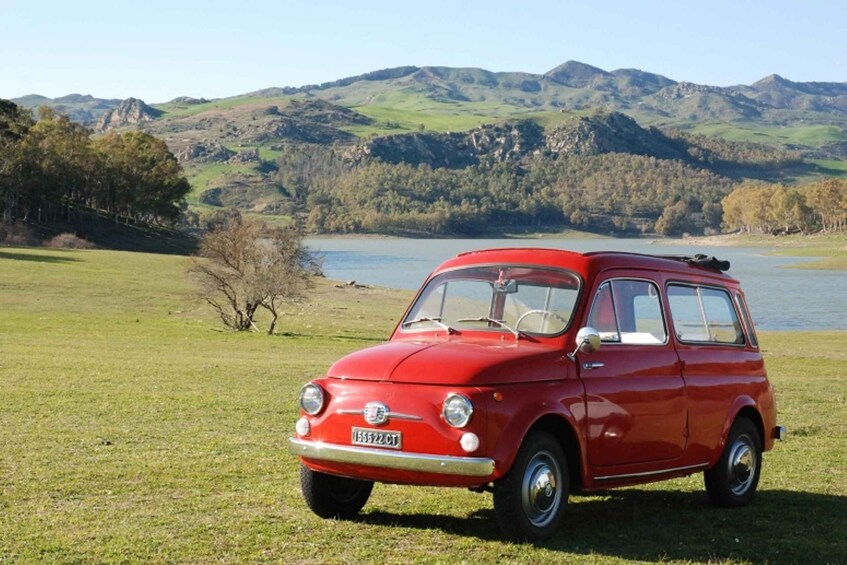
(779, 298)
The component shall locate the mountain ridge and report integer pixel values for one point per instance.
(572, 85)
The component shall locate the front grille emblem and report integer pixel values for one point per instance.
(376, 413)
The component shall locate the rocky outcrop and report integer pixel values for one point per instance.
(323, 112)
(207, 151)
(246, 156)
(594, 135)
(188, 100)
(130, 112)
(507, 142)
(501, 142)
(279, 127)
(433, 149)
(611, 132)
(682, 90)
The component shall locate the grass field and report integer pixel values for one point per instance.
(827, 251)
(830, 167)
(133, 429)
(186, 110)
(808, 135)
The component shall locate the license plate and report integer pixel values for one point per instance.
(377, 438)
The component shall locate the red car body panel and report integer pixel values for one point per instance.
(640, 412)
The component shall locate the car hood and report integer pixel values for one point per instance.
(453, 361)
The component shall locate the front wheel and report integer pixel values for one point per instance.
(333, 497)
(529, 500)
(733, 480)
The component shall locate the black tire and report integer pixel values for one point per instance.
(333, 497)
(733, 480)
(530, 499)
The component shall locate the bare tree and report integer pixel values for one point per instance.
(244, 264)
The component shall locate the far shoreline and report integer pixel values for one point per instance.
(828, 251)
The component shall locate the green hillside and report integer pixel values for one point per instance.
(238, 151)
(798, 135)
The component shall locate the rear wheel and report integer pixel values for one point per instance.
(529, 500)
(333, 497)
(733, 480)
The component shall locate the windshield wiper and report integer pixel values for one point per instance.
(500, 323)
(436, 321)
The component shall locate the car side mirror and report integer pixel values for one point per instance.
(587, 341)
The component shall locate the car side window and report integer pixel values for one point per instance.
(602, 317)
(748, 320)
(628, 312)
(704, 314)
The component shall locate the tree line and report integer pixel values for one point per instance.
(53, 170)
(610, 192)
(774, 208)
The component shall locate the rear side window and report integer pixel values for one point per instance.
(629, 312)
(748, 320)
(704, 314)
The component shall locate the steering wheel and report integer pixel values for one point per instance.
(545, 313)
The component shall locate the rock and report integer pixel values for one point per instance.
(130, 112)
(281, 127)
(499, 142)
(207, 151)
(247, 156)
(188, 100)
(682, 90)
(513, 141)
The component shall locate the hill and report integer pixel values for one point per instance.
(265, 151)
(429, 91)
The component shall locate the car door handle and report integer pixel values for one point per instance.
(589, 366)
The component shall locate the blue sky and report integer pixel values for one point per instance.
(157, 50)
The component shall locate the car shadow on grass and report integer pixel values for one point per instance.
(36, 257)
(779, 527)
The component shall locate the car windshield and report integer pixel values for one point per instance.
(513, 299)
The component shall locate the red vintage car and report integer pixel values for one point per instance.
(534, 373)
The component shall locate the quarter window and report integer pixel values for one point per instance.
(628, 312)
(748, 320)
(704, 314)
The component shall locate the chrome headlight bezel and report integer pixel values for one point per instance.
(457, 410)
(312, 399)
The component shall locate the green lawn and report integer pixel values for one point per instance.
(133, 429)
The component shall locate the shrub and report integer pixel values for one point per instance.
(69, 241)
(16, 234)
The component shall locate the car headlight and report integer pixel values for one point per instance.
(457, 410)
(311, 399)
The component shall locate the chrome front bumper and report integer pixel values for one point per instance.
(440, 464)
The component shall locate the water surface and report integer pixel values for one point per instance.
(780, 298)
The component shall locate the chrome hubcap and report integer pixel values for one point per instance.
(540, 492)
(742, 465)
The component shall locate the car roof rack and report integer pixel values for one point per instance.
(701, 260)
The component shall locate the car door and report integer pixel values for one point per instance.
(634, 392)
(719, 363)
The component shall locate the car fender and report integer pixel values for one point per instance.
(743, 402)
(511, 422)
